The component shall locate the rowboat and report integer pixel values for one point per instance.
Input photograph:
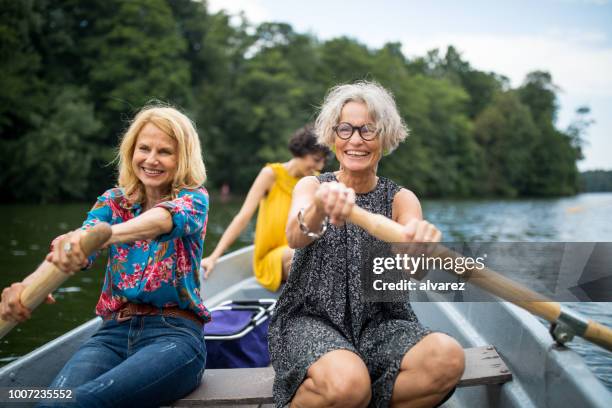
(542, 373)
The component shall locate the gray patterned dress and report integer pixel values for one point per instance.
(322, 309)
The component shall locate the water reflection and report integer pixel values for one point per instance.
(587, 217)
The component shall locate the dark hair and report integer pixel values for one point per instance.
(304, 141)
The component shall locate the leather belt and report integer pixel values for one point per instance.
(130, 310)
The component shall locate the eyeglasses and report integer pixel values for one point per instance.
(345, 130)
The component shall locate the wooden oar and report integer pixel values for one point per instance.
(49, 278)
(388, 230)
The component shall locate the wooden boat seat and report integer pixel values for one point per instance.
(253, 386)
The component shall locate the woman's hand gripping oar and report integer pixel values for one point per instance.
(388, 230)
(48, 277)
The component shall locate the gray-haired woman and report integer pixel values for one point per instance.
(328, 345)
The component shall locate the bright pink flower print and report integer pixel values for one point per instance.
(158, 273)
(129, 281)
(183, 262)
(108, 304)
(118, 209)
(144, 245)
(184, 203)
(121, 255)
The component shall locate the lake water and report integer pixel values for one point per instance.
(29, 229)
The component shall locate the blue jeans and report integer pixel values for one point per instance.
(146, 361)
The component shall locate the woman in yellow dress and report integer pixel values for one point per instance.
(271, 191)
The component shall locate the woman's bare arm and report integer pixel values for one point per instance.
(303, 198)
(407, 211)
(258, 190)
(406, 206)
(148, 225)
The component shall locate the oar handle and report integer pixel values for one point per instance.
(388, 230)
(599, 334)
(377, 225)
(48, 277)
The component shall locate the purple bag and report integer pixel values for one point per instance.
(237, 336)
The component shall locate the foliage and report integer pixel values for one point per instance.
(74, 73)
(55, 159)
(506, 131)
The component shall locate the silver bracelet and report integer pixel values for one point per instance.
(306, 231)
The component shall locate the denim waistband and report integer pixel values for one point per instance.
(130, 310)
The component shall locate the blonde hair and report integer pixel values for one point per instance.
(381, 108)
(190, 172)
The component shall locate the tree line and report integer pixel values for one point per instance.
(74, 73)
(596, 180)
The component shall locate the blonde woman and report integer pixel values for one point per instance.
(271, 191)
(328, 345)
(149, 350)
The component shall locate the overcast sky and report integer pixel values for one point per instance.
(572, 39)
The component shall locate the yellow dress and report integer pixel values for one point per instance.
(270, 238)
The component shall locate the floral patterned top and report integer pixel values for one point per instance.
(162, 272)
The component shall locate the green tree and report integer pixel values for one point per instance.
(345, 60)
(272, 101)
(214, 52)
(577, 130)
(248, 88)
(480, 86)
(133, 57)
(507, 134)
(552, 168)
(53, 161)
(20, 63)
(440, 158)
(137, 58)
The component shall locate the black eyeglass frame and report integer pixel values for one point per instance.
(354, 128)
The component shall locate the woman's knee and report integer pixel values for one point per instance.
(445, 361)
(342, 382)
(345, 389)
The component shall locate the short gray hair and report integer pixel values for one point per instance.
(381, 108)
